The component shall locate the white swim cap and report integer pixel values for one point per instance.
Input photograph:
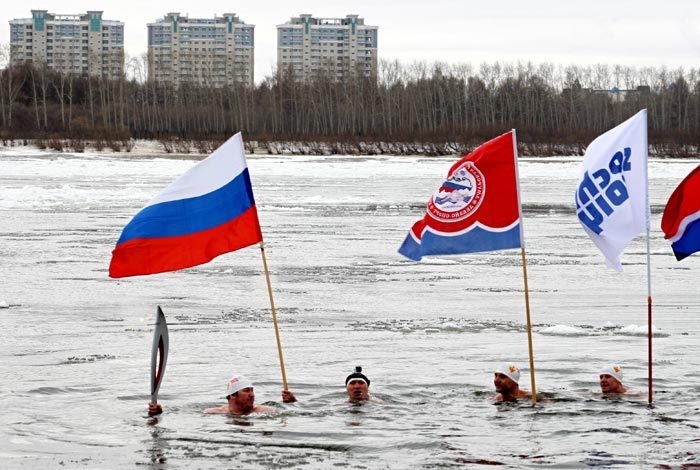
(236, 383)
(612, 370)
(509, 370)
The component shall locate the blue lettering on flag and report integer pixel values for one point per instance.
(599, 194)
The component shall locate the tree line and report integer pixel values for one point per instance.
(549, 106)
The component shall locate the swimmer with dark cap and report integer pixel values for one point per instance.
(357, 386)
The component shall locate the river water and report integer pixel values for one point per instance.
(75, 348)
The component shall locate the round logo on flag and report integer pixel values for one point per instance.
(459, 196)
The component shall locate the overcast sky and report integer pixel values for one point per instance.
(625, 32)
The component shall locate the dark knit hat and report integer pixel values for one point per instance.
(357, 375)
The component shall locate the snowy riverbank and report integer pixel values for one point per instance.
(253, 147)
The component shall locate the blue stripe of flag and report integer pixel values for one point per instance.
(475, 240)
(192, 215)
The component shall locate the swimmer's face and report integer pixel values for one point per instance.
(358, 390)
(609, 384)
(502, 382)
(244, 398)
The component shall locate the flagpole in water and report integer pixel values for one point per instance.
(274, 316)
(529, 328)
(649, 316)
(649, 299)
(527, 293)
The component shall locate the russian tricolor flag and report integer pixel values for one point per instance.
(681, 219)
(206, 212)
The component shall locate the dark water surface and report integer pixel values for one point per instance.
(75, 345)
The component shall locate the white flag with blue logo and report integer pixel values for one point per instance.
(612, 200)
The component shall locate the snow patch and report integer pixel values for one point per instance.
(562, 330)
(641, 330)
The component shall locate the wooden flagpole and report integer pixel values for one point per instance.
(529, 327)
(527, 292)
(274, 316)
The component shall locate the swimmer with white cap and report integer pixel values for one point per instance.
(240, 397)
(611, 379)
(505, 379)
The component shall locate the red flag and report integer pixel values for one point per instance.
(681, 219)
(477, 208)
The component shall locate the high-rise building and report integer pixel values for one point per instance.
(215, 52)
(78, 44)
(337, 47)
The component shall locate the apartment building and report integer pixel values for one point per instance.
(204, 51)
(337, 47)
(82, 44)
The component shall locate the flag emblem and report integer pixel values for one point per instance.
(459, 196)
(461, 216)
